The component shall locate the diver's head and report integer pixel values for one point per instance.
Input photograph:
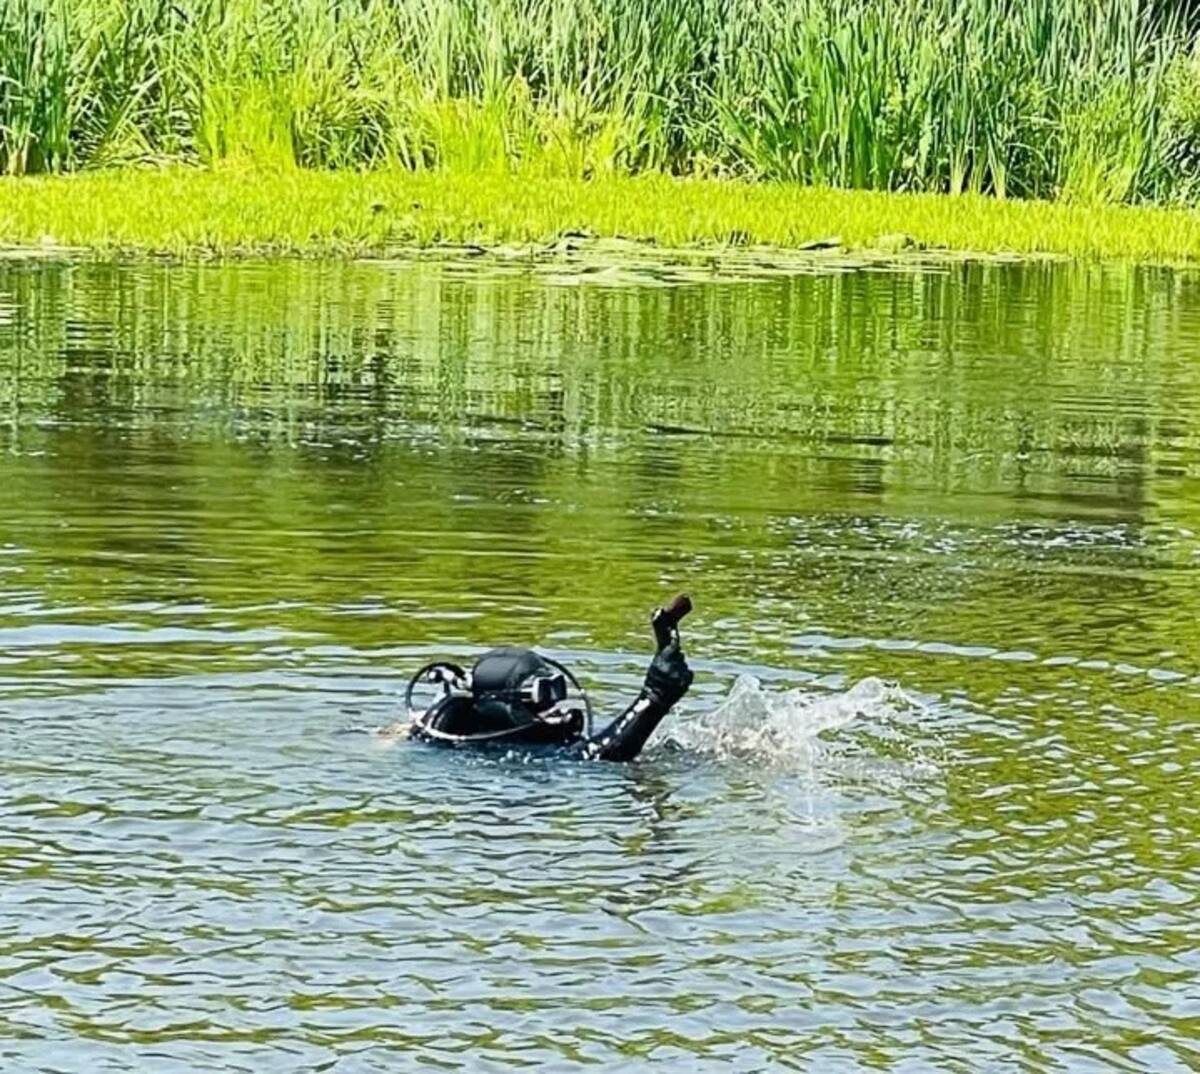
(519, 688)
(511, 695)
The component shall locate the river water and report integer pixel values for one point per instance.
(931, 804)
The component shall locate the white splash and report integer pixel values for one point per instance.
(783, 729)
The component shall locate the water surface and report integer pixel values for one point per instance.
(941, 523)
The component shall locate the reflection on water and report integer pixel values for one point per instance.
(238, 503)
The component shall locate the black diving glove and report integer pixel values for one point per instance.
(668, 676)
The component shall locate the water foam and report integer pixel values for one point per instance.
(784, 729)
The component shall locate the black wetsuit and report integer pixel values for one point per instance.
(467, 721)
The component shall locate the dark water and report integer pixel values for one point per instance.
(237, 503)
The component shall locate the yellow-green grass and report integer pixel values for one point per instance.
(234, 212)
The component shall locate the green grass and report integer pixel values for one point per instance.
(1087, 100)
(234, 211)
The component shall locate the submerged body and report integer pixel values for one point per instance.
(517, 697)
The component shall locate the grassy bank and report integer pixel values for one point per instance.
(1087, 100)
(240, 211)
(322, 125)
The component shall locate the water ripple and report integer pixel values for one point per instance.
(930, 805)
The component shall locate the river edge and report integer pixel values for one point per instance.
(606, 225)
(574, 259)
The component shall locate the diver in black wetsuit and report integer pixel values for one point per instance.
(517, 697)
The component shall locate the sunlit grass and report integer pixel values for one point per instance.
(1087, 100)
(237, 211)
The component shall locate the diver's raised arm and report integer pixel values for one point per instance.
(667, 680)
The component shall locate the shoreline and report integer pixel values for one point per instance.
(237, 213)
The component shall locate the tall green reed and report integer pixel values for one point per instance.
(1085, 99)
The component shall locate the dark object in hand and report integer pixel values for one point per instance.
(665, 620)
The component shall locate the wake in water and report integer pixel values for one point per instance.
(784, 730)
